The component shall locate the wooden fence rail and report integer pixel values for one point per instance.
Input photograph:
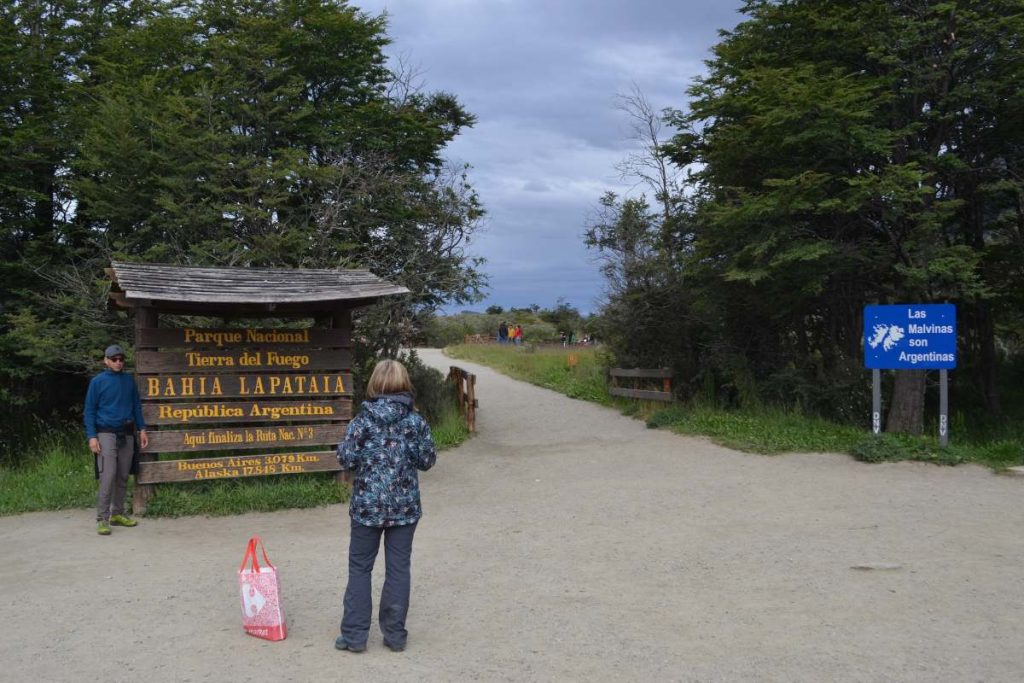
(641, 377)
(465, 394)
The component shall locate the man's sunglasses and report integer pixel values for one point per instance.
(117, 359)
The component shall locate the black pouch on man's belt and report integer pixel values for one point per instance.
(127, 430)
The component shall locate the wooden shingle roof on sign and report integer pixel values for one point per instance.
(198, 288)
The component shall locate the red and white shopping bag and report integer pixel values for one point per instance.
(262, 612)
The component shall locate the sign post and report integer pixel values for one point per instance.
(876, 402)
(943, 407)
(910, 337)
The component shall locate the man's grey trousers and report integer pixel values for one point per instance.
(114, 463)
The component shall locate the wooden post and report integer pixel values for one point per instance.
(145, 317)
(456, 377)
(342, 320)
(471, 402)
(465, 394)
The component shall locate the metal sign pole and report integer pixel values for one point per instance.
(876, 402)
(943, 408)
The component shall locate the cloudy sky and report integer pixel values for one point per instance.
(542, 79)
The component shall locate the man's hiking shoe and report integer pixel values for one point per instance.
(341, 644)
(121, 520)
(103, 527)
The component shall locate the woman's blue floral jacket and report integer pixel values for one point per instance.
(385, 444)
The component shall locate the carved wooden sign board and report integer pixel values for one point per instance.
(232, 401)
(245, 390)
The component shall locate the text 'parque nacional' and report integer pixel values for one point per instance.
(247, 336)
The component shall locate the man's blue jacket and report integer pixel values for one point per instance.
(112, 400)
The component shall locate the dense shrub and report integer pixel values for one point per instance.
(895, 447)
(434, 395)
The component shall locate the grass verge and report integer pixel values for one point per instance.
(766, 431)
(57, 473)
(548, 367)
(55, 476)
(763, 431)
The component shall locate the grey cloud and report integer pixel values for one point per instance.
(542, 77)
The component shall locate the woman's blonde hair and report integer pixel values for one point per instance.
(389, 377)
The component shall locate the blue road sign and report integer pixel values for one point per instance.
(910, 337)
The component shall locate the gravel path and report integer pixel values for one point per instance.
(563, 542)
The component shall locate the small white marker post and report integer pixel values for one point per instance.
(876, 402)
(943, 408)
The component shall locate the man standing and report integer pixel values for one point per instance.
(113, 413)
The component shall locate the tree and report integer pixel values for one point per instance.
(645, 321)
(858, 152)
(648, 165)
(254, 132)
(44, 49)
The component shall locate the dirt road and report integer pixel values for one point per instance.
(564, 542)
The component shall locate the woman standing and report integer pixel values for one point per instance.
(385, 444)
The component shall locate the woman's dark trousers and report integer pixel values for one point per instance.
(394, 598)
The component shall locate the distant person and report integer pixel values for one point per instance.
(113, 417)
(517, 333)
(385, 444)
(503, 333)
(563, 339)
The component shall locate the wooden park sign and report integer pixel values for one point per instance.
(259, 400)
(250, 411)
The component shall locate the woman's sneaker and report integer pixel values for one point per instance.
(341, 644)
(393, 646)
(121, 520)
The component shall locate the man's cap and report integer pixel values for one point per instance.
(113, 350)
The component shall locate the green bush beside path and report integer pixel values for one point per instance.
(762, 430)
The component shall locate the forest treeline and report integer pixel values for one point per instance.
(243, 133)
(834, 154)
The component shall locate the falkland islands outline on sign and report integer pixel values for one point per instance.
(887, 336)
